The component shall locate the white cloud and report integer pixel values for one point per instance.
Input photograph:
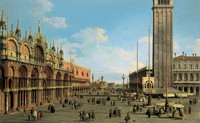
(145, 40)
(110, 61)
(176, 47)
(67, 46)
(91, 35)
(41, 7)
(57, 22)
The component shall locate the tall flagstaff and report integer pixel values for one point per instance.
(166, 57)
(149, 59)
(137, 66)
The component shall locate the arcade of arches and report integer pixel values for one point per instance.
(31, 73)
(192, 90)
(25, 86)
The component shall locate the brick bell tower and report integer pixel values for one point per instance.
(162, 42)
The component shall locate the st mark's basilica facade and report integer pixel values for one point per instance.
(31, 73)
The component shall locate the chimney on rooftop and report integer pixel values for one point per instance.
(174, 54)
(195, 54)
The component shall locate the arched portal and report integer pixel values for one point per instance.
(22, 94)
(191, 90)
(48, 75)
(197, 91)
(58, 83)
(22, 77)
(44, 93)
(180, 76)
(34, 83)
(10, 83)
(149, 85)
(191, 76)
(179, 88)
(186, 77)
(10, 101)
(185, 89)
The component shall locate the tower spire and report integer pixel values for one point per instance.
(61, 47)
(2, 17)
(30, 37)
(30, 32)
(18, 28)
(12, 27)
(57, 49)
(26, 34)
(61, 51)
(70, 56)
(39, 27)
(53, 47)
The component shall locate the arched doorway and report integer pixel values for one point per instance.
(10, 83)
(65, 83)
(186, 77)
(48, 75)
(34, 83)
(44, 93)
(179, 88)
(180, 76)
(34, 78)
(197, 91)
(10, 102)
(191, 90)
(58, 83)
(185, 89)
(22, 83)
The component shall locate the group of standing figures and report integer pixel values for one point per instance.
(86, 116)
(115, 112)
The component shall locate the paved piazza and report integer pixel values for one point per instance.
(68, 115)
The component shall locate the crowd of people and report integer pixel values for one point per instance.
(86, 116)
(116, 112)
(97, 101)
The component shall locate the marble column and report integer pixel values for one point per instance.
(188, 89)
(68, 92)
(6, 94)
(29, 97)
(39, 96)
(194, 90)
(15, 99)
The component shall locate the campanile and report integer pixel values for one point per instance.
(162, 42)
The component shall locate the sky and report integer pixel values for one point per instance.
(103, 34)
